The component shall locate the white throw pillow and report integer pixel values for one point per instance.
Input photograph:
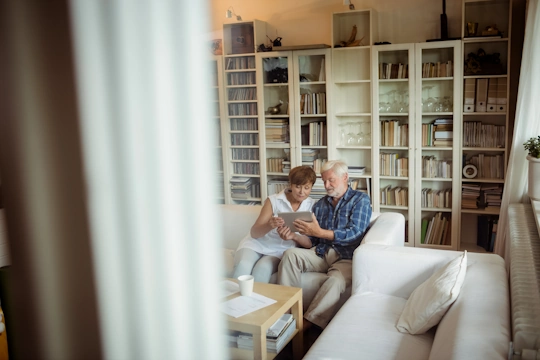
(429, 302)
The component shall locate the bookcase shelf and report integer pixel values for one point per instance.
(489, 86)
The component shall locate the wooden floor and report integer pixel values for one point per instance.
(309, 338)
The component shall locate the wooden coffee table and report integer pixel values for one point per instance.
(257, 323)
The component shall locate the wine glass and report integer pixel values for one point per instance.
(359, 134)
(366, 130)
(351, 136)
(342, 135)
(429, 103)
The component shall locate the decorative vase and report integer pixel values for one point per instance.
(534, 178)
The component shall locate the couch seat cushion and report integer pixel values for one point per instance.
(365, 328)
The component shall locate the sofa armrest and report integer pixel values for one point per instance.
(387, 229)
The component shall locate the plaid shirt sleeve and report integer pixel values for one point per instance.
(356, 215)
(349, 221)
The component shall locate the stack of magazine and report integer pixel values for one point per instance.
(276, 336)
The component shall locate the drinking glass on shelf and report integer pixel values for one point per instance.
(384, 106)
(401, 105)
(429, 103)
(437, 105)
(342, 135)
(447, 104)
(359, 134)
(366, 130)
(351, 136)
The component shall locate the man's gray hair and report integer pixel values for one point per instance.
(339, 167)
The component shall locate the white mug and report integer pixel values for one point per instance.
(246, 284)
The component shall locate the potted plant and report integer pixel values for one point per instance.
(533, 148)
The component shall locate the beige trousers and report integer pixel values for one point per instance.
(339, 275)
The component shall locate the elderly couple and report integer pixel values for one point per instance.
(324, 245)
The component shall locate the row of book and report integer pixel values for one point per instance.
(241, 79)
(275, 186)
(394, 134)
(242, 109)
(393, 71)
(244, 139)
(314, 134)
(244, 124)
(363, 185)
(480, 196)
(436, 230)
(438, 133)
(394, 196)
(489, 166)
(274, 164)
(485, 95)
(240, 63)
(436, 198)
(242, 94)
(438, 69)
(314, 103)
(245, 187)
(246, 168)
(318, 191)
(392, 165)
(478, 134)
(277, 130)
(487, 231)
(433, 168)
(245, 154)
(316, 164)
(277, 335)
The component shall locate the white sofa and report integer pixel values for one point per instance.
(476, 326)
(236, 222)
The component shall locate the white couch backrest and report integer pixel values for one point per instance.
(398, 271)
(237, 220)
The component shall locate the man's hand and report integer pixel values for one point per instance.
(308, 228)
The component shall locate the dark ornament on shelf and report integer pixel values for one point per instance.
(274, 110)
(263, 48)
(483, 64)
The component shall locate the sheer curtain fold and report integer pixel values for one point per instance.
(527, 124)
(143, 96)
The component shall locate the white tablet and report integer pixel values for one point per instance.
(289, 217)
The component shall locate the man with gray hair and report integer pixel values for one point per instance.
(340, 220)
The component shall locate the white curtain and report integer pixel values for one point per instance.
(527, 123)
(142, 83)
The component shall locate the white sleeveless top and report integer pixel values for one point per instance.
(271, 244)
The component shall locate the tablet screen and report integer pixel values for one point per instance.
(289, 217)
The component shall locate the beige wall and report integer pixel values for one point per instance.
(301, 22)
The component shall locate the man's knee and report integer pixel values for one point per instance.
(336, 281)
(290, 255)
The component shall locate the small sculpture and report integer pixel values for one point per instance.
(274, 110)
(352, 39)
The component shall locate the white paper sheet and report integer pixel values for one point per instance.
(243, 305)
(229, 287)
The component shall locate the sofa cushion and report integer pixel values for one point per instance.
(477, 325)
(429, 302)
(365, 328)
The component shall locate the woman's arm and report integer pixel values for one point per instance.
(266, 221)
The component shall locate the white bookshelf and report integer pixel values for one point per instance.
(485, 13)
(394, 127)
(302, 78)
(243, 144)
(220, 125)
(351, 132)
